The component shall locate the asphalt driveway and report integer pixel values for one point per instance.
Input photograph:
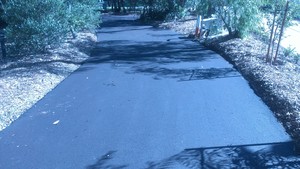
(148, 98)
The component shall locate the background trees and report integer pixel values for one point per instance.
(279, 14)
(239, 17)
(35, 25)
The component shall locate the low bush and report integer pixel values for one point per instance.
(35, 25)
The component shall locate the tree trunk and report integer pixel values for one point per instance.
(273, 44)
(123, 6)
(282, 29)
(119, 6)
(114, 6)
(210, 9)
(272, 32)
(170, 6)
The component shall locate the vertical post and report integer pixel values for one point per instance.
(200, 26)
(197, 28)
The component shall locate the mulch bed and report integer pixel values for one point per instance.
(26, 79)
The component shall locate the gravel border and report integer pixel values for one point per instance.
(24, 81)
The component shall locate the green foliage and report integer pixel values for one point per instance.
(205, 8)
(82, 14)
(35, 25)
(279, 16)
(239, 16)
(162, 9)
(295, 9)
(288, 51)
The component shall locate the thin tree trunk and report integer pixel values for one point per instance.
(210, 9)
(273, 45)
(282, 29)
(2, 42)
(272, 32)
(123, 6)
(119, 6)
(115, 6)
(73, 33)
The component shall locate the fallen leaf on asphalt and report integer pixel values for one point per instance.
(56, 122)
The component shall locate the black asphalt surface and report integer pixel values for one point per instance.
(148, 98)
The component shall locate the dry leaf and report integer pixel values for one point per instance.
(56, 122)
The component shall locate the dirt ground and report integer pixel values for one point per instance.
(24, 81)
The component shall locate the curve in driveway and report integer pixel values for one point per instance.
(148, 98)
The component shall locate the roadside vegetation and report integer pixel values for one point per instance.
(36, 26)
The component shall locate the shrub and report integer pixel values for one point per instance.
(239, 16)
(295, 7)
(83, 14)
(35, 25)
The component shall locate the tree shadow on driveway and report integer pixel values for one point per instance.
(258, 156)
(102, 162)
(262, 156)
(175, 59)
(189, 74)
(121, 22)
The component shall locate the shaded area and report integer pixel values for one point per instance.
(103, 161)
(175, 59)
(157, 52)
(160, 55)
(213, 73)
(125, 29)
(189, 74)
(120, 21)
(51, 66)
(59, 61)
(262, 156)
